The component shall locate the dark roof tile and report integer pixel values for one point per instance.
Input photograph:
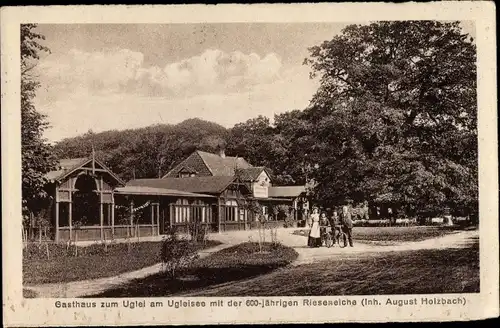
(251, 173)
(286, 191)
(211, 185)
(208, 164)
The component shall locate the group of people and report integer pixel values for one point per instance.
(317, 222)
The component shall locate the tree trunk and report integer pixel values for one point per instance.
(260, 237)
(40, 234)
(30, 227)
(25, 237)
(76, 241)
(47, 249)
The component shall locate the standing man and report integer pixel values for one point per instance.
(347, 223)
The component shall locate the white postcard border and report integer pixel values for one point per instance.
(39, 312)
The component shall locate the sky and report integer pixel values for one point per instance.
(118, 76)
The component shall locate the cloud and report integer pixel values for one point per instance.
(123, 71)
(96, 71)
(114, 90)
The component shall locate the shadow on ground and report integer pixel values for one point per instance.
(426, 271)
(232, 264)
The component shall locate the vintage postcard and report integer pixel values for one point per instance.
(249, 164)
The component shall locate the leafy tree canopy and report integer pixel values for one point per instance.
(395, 115)
(36, 155)
(146, 152)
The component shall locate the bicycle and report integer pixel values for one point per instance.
(340, 235)
(326, 236)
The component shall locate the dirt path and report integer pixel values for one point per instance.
(454, 240)
(285, 236)
(309, 255)
(96, 286)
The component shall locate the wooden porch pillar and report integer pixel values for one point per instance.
(113, 218)
(245, 216)
(220, 217)
(57, 221)
(129, 232)
(153, 219)
(158, 219)
(171, 218)
(101, 217)
(70, 209)
(101, 214)
(56, 233)
(70, 219)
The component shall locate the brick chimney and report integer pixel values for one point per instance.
(222, 153)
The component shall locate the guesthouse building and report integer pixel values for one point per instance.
(90, 202)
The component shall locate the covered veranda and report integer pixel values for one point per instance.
(91, 203)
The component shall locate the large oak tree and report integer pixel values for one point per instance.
(395, 115)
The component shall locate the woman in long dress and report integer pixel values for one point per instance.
(314, 239)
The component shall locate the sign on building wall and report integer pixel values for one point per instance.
(260, 187)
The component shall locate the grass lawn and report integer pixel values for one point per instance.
(29, 293)
(391, 235)
(92, 261)
(231, 264)
(408, 272)
(401, 234)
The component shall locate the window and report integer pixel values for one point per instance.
(182, 211)
(231, 210)
(200, 213)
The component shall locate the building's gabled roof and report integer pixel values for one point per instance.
(251, 174)
(286, 191)
(210, 185)
(65, 165)
(141, 190)
(208, 164)
(223, 166)
(188, 169)
(192, 163)
(69, 165)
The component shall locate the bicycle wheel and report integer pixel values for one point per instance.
(329, 240)
(342, 239)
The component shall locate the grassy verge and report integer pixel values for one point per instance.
(392, 235)
(92, 261)
(230, 264)
(409, 272)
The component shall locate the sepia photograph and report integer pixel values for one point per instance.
(185, 161)
(156, 166)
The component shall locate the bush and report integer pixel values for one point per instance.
(177, 253)
(290, 222)
(198, 231)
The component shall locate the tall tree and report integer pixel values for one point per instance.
(37, 155)
(395, 115)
